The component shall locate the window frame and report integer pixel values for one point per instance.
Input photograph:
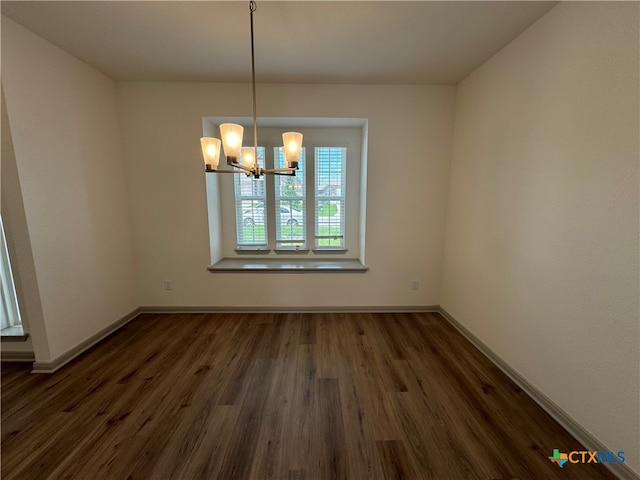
(310, 198)
(342, 198)
(277, 224)
(11, 318)
(237, 183)
(318, 132)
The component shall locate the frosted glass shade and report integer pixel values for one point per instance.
(210, 151)
(231, 139)
(292, 145)
(248, 156)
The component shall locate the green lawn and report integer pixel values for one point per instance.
(328, 210)
(256, 234)
(329, 242)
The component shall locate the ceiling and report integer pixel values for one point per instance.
(392, 42)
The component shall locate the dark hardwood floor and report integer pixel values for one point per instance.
(287, 396)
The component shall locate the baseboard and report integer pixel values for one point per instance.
(17, 356)
(62, 360)
(620, 470)
(365, 309)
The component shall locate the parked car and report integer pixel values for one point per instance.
(288, 216)
(254, 215)
(291, 216)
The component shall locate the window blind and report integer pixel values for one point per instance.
(330, 180)
(291, 206)
(250, 201)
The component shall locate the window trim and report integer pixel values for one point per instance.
(350, 132)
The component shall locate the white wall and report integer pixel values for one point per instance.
(68, 154)
(161, 125)
(541, 251)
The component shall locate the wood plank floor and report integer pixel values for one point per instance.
(286, 396)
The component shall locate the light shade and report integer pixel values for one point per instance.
(210, 151)
(249, 156)
(231, 139)
(292, 145)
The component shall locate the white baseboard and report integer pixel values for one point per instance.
(62, 360)
(17, 356)
(620, 470)
(366, 309)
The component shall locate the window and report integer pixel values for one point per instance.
(315, 216)
(9, 313)
(330, 189)
(291, 206)
(251, 199)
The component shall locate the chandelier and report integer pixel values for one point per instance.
(245, 159)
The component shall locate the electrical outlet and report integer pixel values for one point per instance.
(167, 285)
(414, 284)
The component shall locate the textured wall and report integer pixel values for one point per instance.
(541, 251)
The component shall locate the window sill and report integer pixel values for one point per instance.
(14, 334)
(291, 251)
(288, 266)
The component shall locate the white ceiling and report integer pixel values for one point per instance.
(395, 42)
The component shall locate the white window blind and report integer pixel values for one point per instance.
(330, 182)
(291, 206)
(251, 196)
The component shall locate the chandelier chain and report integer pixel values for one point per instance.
(252, 8)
